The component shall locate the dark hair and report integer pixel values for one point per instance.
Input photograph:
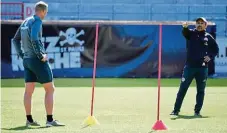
(41, 6)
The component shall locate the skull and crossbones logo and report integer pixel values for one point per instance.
(71, 37)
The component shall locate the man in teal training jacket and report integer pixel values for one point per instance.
(35, 61)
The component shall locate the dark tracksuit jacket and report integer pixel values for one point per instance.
(199, 44)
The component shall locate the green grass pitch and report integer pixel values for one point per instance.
(120, 106)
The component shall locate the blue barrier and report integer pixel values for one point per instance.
(124, 50)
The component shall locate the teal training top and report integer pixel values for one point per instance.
(29, 36)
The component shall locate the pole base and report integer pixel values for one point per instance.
(90, 121)
(159, 125)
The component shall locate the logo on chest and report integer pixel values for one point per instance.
(205, 41)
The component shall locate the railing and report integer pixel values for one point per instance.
(12, 10)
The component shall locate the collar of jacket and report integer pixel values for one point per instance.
(36, 17)
(200, 32)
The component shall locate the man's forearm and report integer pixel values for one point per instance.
(186, 32)
(212, 55)
(18, 49)
(38, 48)
(214, 49)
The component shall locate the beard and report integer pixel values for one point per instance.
(199, 28)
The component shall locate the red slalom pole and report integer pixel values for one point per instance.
(94, 68)
(159, 125)
(91, 120)
(159, 70)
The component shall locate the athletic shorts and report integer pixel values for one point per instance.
(36, 70)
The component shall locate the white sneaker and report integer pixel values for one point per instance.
(54, 123)
(34, 123)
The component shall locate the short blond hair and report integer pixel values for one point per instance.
(41, 6)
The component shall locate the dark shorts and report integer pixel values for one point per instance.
(37, 71)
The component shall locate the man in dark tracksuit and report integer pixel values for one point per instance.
(201, 48)
(36, 66)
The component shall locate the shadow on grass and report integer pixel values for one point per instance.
(188, 117)
(23, 128)
(86, 126)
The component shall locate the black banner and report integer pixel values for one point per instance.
(123, 50)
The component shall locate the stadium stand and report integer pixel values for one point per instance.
(164, 10)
